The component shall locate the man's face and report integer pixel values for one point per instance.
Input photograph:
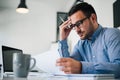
(86, 28)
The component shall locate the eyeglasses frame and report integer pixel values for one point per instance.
(78, 23)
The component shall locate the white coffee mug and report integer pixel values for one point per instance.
(21, 64)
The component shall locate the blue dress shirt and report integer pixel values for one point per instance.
(99, 55)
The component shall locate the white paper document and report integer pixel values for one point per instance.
(88, 76)
(47, 62)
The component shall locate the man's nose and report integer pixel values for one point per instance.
(77, 28)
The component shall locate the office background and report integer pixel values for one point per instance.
(35, 32)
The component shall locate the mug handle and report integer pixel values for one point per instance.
(34, 63)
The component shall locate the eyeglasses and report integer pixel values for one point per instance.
(78, 23)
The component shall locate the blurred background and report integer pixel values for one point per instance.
(35, 32)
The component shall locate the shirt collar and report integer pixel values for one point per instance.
(96, 33)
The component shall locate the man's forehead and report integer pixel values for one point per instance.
(77, 16)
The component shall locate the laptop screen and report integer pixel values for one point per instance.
(7, 54)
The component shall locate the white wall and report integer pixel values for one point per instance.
(104, 10)
(32, 32)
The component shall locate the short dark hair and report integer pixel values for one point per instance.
(86, 8)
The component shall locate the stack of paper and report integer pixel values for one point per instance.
(88, 76)
(46, 62)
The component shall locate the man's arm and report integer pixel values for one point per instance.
(112, 43)
(101, 68)
(83, 66)
(69, 65)
(63, 48)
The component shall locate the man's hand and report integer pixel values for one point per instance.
(64, 30)
(69, 65)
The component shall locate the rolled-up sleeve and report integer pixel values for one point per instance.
(87, 67)
(63, 48)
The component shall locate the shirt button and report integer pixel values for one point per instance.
(93, 56)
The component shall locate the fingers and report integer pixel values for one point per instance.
(69, 65)
(64, 66)
(67, 70)
(62, 60)
(66, 62)
(66, 24)
(64, 30)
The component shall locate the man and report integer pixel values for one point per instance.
(97, 51)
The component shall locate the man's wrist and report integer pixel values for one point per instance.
(80, 67)
(87, 67)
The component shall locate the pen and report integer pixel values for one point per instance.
(61, 19)
(64, 21)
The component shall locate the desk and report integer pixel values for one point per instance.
(52, 78)
(36, 78)
(44, 76)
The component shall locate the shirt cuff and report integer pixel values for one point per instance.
(63, 43)
(87, 67)
(63, 48)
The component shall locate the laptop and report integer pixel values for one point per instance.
(7, 58)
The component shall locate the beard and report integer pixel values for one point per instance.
(84, 35)
(87, 34)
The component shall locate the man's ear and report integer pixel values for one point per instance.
(93, 18)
